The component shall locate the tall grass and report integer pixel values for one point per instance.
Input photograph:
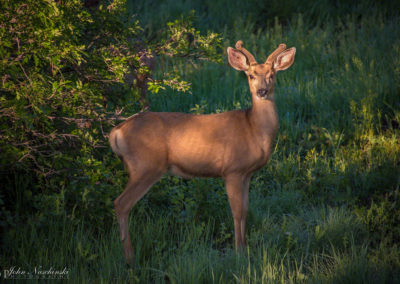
(322, 211)
(316, 244)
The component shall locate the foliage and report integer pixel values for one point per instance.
(64, 73)
(61, 65)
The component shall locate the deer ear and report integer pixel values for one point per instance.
(237, 59)
(285, 59)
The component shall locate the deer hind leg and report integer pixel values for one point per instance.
(138, 185)
(237, 188)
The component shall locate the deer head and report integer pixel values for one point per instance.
(261, 77)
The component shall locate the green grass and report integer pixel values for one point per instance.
(324, 209)
(301, 243)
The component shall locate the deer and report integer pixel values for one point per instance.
(231, 145)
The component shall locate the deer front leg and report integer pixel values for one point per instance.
(237, 188)
(245, 204)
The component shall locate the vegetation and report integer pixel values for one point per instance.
(324, 209)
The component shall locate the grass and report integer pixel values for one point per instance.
(322, 211)
(301, 243)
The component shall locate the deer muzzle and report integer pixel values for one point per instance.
(262, 93)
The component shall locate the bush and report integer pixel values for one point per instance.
(65, 71)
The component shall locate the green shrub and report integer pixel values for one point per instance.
(65, 71)
(62, 74)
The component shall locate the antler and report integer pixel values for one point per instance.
(273, 55)
(250, 57)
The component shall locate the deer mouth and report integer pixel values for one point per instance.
(262, 93)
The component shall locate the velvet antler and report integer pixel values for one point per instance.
(250, 57)
(273, 55)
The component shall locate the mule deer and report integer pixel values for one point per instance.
(231, 145)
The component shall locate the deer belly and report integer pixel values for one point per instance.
(195, 162)
(191, 172)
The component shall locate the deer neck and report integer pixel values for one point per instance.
(263, 118)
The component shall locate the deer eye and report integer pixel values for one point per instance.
(251, 77)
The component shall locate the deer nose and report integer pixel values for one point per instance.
(262, 92)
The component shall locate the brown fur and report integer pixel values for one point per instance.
(231, 145)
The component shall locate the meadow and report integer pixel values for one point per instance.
(326, 207)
